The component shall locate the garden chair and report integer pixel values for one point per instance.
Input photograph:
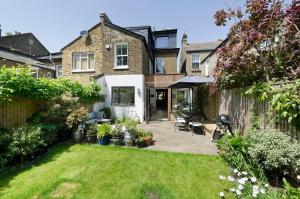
(180, 122)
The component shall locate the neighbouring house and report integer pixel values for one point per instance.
(133, 65)
(199, 59)
(26, 49)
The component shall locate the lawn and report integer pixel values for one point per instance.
(92, 171)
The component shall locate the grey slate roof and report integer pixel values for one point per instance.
(206, 46)
(22, 43)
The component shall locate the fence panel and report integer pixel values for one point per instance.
(241, 107)
(16, 112)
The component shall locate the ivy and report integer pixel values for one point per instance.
(18, 82)
(283, 98)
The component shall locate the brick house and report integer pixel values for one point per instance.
(133, 65)
(26, 49)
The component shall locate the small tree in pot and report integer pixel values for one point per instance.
(117, 137)
(103, 134)
(130, 126)
(91, 134)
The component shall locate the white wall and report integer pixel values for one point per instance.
(108, 81)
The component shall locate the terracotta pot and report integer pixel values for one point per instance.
(148, 140)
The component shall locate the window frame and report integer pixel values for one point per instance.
(119, 103)
(57, 71)
(49, 75)
(163, 61)
(199, 61)
(167, 44)
(116, 56)
(89, 69)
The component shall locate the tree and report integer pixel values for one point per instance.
(263, 43)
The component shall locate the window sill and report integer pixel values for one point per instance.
(121, 67)
(83, 71)
(196, 70)
(123, 106)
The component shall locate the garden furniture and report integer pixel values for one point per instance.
(97, 117)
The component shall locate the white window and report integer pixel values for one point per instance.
(34, 73)
(195, 61)
(123, 96)
(49, 75)
(58, 71)
(159, 65)
(121, 56)
(162, 42)
(83, 62)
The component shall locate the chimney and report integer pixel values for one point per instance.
(104, 18)
(0, 31)
(184, 39)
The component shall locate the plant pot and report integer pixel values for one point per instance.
(91, 139)
(104, 140)
(78, 134)
(148, 140)
(117, 141)
(141, 144)
(129, 139)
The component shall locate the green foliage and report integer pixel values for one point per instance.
(116, 131)
(274, 151)
(130, 124)
(18, 82)
(92, 130)
(284, 100)
(103, 130)
(76, 117)
(107, 112)
(50, 132)
(25, 141)
(291, 192)
(234, 150)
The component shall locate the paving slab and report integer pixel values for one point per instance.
(167, 139)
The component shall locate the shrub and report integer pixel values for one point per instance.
(234, 150)
(103, 130)
(50, 132)
(107, 112)
(5, 139)
(25, 142)
(275, 151)
(76, 117)
(18, 82)
(92, 130)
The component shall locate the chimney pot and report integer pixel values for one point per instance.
(184, 39)
(104, 18)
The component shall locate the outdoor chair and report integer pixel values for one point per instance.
(196, 125)
(180, 122)
(97, 117)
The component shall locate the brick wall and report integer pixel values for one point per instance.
(170, 61)
(100, 36)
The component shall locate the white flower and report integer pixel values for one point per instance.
(262, 191)
(235, 171)
(232, 189)
(298, 177)
(266, 185)
(255, 188)
(230, 178)
(221, 194)
(242, 180)
(238, 192)
(253, 179)
(244, 173)
(239, 174)
(254, 195)
(241, 187)
(222, 177)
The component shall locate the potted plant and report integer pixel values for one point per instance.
(140, 142)
(103, 134)
(91, 134)
(148, 138)
(117, 136)
(130, 126)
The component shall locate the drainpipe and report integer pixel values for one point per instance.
(50, 57)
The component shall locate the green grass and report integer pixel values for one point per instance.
(92, 171)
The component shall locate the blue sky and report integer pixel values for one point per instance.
(57, 22)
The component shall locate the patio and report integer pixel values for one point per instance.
(167, 139)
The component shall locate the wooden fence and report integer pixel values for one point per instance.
(17, 111)
(241, 107)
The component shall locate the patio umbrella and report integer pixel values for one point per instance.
(191, 81)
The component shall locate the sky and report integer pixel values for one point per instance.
(57, 22)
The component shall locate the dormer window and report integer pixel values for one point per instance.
(162, 42)
(196, 61)
(121, 56)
